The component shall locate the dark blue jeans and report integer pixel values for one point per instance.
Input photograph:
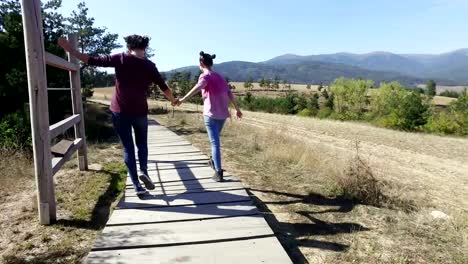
(123, 124)
(213, 128)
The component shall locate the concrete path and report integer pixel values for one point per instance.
(188, 218)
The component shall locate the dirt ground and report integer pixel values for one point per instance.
(84, 201)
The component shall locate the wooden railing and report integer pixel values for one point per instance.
(45, 164)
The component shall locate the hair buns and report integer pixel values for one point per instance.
(213, 56)
(202, 53)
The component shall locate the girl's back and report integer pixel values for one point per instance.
(216, 95)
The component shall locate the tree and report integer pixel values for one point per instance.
(262, 82)
(92, 40)
(431, 88)
(13, 87)
(308, 87)
(276, 82)
(320, 87)
(396, 107)
(248, 84)
(350, 96)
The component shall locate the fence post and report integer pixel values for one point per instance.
(77, 104)
(37, 83)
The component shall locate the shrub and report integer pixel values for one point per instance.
(452, 94)
(395, 107)
(358, 182)
(325, 112)
(443, 123)
(387, 99)
(306, 112)
(454, 120)
(15, 131)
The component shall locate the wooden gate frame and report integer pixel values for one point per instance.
(45, 165)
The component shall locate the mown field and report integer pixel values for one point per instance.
(106, 92)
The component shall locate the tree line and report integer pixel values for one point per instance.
(14, 114)
(389, 105)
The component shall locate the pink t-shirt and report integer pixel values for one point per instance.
(216, 95)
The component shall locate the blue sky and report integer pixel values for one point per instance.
(257, 30)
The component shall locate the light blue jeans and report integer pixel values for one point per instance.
(213, 128)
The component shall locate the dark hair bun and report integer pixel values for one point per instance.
(206, 58)
(137, 41)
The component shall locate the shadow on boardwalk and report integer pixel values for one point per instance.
(294, 235)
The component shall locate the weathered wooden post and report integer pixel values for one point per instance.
(77, 104)
(36, 67)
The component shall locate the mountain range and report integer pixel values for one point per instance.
(411, 69)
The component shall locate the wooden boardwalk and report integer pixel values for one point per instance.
(188, 218)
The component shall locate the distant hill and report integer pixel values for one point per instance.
(304, 72)
(449, 68)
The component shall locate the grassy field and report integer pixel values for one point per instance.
(106, 93)
(84, 200)
(300, 172)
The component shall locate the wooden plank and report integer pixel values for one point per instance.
(77, 105)
(39, 112)
(61, 149)
(181, 176)
(183, 199)
(251, 251)
(62, 126)
(58, 89)
(57, 62)
(161, 234)
(188, 218)
(181, 213)
(194, 185)
(58, 162)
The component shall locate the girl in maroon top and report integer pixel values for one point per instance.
(134, 74)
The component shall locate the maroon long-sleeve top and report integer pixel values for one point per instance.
(133, 77)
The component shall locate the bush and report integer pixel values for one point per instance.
(395, 107)
(443, 123)
(306, 113)
(325, 112)
(358, 183)
(452, 94)
(454, 121)
(350, 97)
(289, 104)
(15, 132)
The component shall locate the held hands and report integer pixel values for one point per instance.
(177, 101)
(239, 114)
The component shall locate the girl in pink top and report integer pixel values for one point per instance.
(216, 98)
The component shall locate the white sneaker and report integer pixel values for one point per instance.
(140, 191)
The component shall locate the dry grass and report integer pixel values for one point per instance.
(358, 183)
(84, 201)
(106, 93)
(291, 166)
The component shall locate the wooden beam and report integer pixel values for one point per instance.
(58, 162)
(37, 83)
(62, 126)
(77, 104)
(57, 62)
(58, 89)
